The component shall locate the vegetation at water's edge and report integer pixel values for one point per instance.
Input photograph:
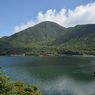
(16, 88)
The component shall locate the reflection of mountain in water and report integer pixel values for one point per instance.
(56, 75)
(51, 68)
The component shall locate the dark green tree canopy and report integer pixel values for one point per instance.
(50, 38)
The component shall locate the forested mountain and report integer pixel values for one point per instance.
(79, 32)
(50, 38)
(79, 39)
(43, 32)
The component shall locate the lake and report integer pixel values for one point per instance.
(56, 75)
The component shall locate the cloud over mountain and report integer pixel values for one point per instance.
(83, 14)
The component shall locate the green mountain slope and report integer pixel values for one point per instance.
(79, 40)
(45, 31)
(30, 38)
(51, 38)
(79, 32)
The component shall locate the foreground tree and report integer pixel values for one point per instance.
(16, 88)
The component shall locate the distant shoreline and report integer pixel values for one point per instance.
(51, 55)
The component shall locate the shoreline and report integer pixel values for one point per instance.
(52, 55)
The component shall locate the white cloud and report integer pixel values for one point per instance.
(22, 27)
(67, 18)
(53, 15)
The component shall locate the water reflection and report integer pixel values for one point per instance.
(55, 75)
(65, 86)
(50, 68)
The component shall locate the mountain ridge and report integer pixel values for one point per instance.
(43, 31)
(50, 38)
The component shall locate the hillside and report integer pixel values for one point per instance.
(30, 38)
(79, 39)
(42, 32)
(79, 32)
(50, 38)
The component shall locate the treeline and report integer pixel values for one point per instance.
(51, 38)
(34, 49)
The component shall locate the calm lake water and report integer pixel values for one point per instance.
(56, 75)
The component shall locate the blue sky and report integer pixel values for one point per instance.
(16, 15)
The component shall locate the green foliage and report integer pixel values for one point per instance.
(16, 88)
(51, 38)
(5, 85)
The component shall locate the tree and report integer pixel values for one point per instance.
(16, 88)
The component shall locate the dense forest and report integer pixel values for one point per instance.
(51, 38)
